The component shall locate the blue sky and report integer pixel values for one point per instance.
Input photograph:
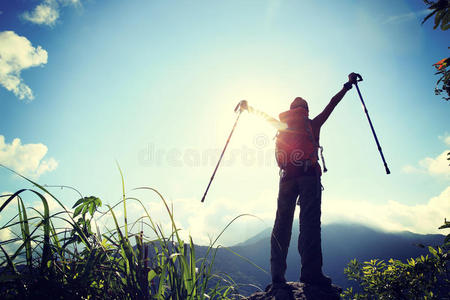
(153, 84)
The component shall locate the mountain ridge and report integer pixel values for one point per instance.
(268, 230)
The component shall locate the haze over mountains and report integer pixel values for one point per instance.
(340, 242)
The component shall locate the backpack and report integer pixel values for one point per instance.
(296, 144)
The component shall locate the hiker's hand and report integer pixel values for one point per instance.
(352, 78)
(244, 104)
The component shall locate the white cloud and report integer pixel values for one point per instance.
(393, 216)
(26, 159)
(45, 13)
(406, 17)
(53, 206)
(5, 234)
(7, 213)
(17, 54)
(205, 221)
(48, 12)
(76, 3)
(36, 203)
(11, 211)
(194, 218)
(410, 169)
(445, 138)
(437, 166)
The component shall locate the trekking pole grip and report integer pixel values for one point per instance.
(358, 77)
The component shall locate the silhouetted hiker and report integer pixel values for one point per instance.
(297, 155)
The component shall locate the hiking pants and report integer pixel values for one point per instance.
(309, 191)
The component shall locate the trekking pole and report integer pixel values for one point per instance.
(359, 78)
(241, 106)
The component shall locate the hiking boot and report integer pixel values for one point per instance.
(320, 280)
(276, 286)
(280, 291)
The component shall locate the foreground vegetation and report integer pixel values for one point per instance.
(424, 277)
(64, 255)
(71, 261)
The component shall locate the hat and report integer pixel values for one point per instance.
(299, 102)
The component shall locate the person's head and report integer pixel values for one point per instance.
(299, 102)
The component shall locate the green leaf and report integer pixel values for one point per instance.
(433, 251)
(445, 20)
(25, 230)
(11, 198)
(437, 18)
(92, 208)
(85, 209)
(151, 275)
(77, 211)
(428, 16)
(78, 202)
(446, 225)
(447, 239)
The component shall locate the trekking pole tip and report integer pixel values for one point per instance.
(204, 195)
(387, 170)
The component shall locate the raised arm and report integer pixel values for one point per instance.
(272, 121)
(323, 116)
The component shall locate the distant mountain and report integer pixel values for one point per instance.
(340, 242)
(254, 239)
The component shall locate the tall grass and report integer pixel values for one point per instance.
(77, 261)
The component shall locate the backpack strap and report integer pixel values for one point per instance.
(323, 160)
